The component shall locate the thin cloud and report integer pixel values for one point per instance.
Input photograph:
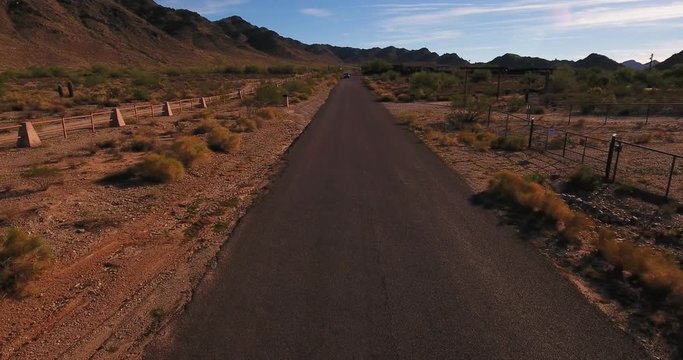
(315, 12)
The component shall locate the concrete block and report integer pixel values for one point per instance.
(204, 105)
(168, 111)
(116, 118)
(28, 137)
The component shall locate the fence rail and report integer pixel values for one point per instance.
(61, 127)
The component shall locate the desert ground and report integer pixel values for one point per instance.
(125, 253)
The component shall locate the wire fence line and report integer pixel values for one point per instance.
(653, 172)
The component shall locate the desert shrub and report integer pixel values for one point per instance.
(464, 115)
(298, 87)
(139, 94)
(159, 168)
(107, 144)
(556, 143)
(232, 70)
(512, 188)
(579, 123)
(624, 188)
(282, 70)
(144, 78)
(2, 87)
(641, 138)
(222, 140)
(582, 178)
(205, 126)
(538, 110)
(247, 124)
(387, 97)
(656, 271)
(22, 257)
(510, 143)
(535, 177)
(477, 137)
(142, 143)
(268, 94)
(480, 75)
(515, 104)
(404, 98)
(268, 113)
(390, 75)
(376, 66)
(43, 176)
(189, 150)
(448, 140)
(254, 69)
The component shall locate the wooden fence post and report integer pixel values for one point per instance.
(64, 126)
(92, 122)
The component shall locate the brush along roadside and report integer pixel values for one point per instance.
(649, 281)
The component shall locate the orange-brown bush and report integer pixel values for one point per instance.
(657, 272)
(221, 139)
(159, 168)
(21, 258)
(267, 113)
(206, 125)
(190, 150)
(574, 226)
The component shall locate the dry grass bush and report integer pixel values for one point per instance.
(657, 272)
(22, 257)
(641, 138)
(477, 137)
(43, 176)
(431, 134)
(448, 140)
(509, 143)
(579, 123)
(159, 168)
(189, 150)
(222, 140)
(143, 142)
(268, 113)
(247, 125)
(510, 187)
(205, 126)
(582, 178)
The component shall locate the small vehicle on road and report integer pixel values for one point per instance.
(347, 75)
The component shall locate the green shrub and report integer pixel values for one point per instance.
(583, 179)
(254, 69)
(222, 140)
(189, 150)
(268, 94)
(376, 66)
(481, 75)
(298, 87)
(510, 143)
(22, 257)
(282, 70)
(159, 168)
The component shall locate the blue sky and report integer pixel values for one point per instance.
(477, 31)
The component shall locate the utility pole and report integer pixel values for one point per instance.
(652, 56)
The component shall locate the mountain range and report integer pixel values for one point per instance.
(77, 33)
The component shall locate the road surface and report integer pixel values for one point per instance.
(367, 246)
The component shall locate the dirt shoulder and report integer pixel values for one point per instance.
(127, 256)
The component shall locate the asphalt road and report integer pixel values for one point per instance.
(367, 246)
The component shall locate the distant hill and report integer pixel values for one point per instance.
(597, 61)
(671, 62)
(78, 33)
(635, 65)
(515, 61)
